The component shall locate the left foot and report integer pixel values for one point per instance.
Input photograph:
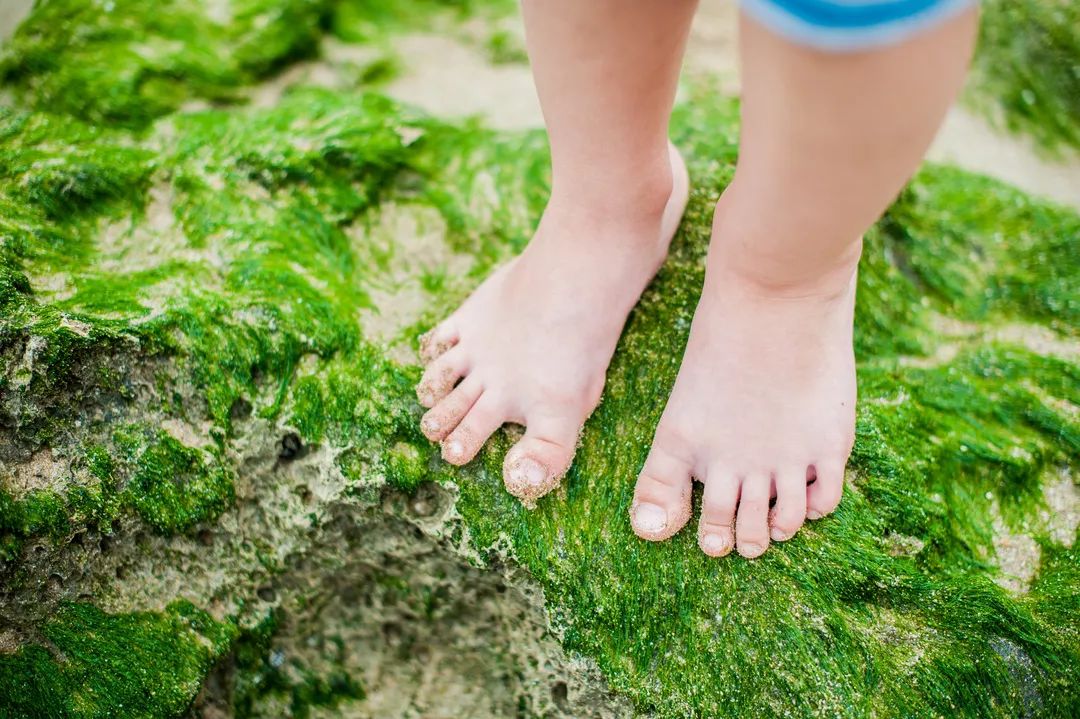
(763, 406)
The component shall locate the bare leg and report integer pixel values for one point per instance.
(765, 398)
(533, 343)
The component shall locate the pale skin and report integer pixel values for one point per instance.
(763, 409)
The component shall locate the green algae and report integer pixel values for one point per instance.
(505, 48)
(174, 487)
(87, 663)
(985, 251)
(40, 513)
(367, 21)
(85, 500)
(260, 289)
(158, 57)
(162, 56)
(984, 415)
(649, 614)
(1054, 603)
(1026, 75)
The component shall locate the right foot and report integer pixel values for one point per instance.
(532, 344)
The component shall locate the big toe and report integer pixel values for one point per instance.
(536, 464)
(662, 496)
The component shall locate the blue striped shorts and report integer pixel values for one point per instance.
(840, 25)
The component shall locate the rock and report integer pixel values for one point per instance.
(215, 497)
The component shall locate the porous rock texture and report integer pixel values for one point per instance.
(215, 500)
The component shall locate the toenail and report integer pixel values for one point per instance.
(530, 472)
(750, 551)
(778, 534)
(713, 543)
(430, 424)
(650, 518)
(811, 514)
(455, 448)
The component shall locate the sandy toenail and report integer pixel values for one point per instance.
(778, 534)
(750, 551)
(528, 479)
(649, 518)
(431, 389)
(811, 514)
(425, 393)
(430, 425)
(430, 348)
(713, 544)
(529, 471)
(454, 449)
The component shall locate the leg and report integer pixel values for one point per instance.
(765, 400)
(533, 343)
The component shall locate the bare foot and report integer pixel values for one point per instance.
(764, 404)
(532, 344)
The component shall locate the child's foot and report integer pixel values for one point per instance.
(532, 344)
(764, 404)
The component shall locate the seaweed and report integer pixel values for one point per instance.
(1025, 74)
(90, 663)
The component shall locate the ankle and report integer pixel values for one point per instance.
(760, 257)
(635, 195)
(827, 278)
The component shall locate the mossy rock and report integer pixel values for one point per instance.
(207, 360)
(1026, 73)
(90, 663)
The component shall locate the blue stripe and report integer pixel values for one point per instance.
(781, 17)
(823, 13)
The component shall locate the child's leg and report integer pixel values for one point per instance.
(764, 401)
(533, 343)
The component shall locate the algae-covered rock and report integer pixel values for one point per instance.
(1027, 69)
(215, 498)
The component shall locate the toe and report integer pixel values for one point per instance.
(485, 416)
(436, 341)
(790, 509)
(662, 496)
(824, 494)
(441, 376)
(751, 522)
(441, 420)
(535, 465)
(716, 534)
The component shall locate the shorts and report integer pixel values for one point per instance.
(849, 25)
